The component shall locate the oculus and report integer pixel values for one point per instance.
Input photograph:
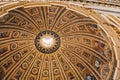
(47, 42)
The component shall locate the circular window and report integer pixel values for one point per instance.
(47, 42)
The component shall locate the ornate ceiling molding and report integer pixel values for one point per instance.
(105, 25)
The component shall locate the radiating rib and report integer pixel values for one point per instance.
(89, 66)
(14, 68)
(25, 16)
(12, 52)
(85, 34)
(95, 52)
(13, 27)
(76, 71)
(27, 72)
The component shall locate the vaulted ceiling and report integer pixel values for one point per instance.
(82, 52)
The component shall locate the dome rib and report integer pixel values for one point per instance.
(27, 17)
(90, 67)
(80, 50)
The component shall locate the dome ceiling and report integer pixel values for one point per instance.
(53, 43)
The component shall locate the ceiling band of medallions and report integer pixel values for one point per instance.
(70, 61)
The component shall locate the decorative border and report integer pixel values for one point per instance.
(45, 50)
